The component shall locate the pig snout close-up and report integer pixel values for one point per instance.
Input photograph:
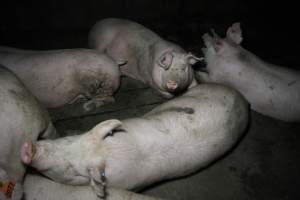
(162, 65)
(22, 119)
(271, 90)
(176, 138)
(67, 76)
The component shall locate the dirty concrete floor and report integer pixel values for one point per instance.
(264, 165)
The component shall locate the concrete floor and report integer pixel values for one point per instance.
(264, 165)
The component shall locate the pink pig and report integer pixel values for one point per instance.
(270, 89)
(60, 77)
(162, 65)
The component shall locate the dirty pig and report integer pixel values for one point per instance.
(21, 119)
(61, 77)
(174, 139)
(270, 89)
(162, 65)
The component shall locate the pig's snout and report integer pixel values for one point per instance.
(28, 150)
(172, 85)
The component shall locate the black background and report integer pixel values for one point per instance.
(269, 28)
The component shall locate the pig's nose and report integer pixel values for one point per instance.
(172, 85)
(27, 152)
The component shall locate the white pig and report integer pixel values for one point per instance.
(271, 90)
(41, 188)
(163, 65)
(21, 119)
(174, 139)
(60, 77)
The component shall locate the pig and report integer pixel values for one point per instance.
(271, 90)
(21, 119)
(162, 65)
(40, 188)
(176, 138)
(66, 76)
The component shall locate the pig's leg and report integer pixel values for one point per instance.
(78, 98)
(97, 101)
(98, 181)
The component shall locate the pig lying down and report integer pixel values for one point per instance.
(271, 90)
(162, 65)
(41, 188)
(60, 77)
(21, 119)
(174, 139)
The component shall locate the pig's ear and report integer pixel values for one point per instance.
(217, 41)
(106, 128)
(165, 60)
(192, 59)
(234, 33)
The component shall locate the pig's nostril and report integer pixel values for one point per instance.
(27, 152)
(172, 85)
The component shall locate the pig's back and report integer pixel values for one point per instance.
(203, 124)
(178, 137)
(107, 31)
(206, 106)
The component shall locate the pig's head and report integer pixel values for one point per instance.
(222, 47)
(74, 160)
(172, 71)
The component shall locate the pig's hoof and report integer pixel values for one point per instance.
(27, 152)
(88, 106)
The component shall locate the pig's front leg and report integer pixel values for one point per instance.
(97, 181)
(79, 98)
(97, 101)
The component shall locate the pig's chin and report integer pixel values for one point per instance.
(173, 90)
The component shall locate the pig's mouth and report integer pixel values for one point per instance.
(172, 85)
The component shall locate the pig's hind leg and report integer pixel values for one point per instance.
(97, 102)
